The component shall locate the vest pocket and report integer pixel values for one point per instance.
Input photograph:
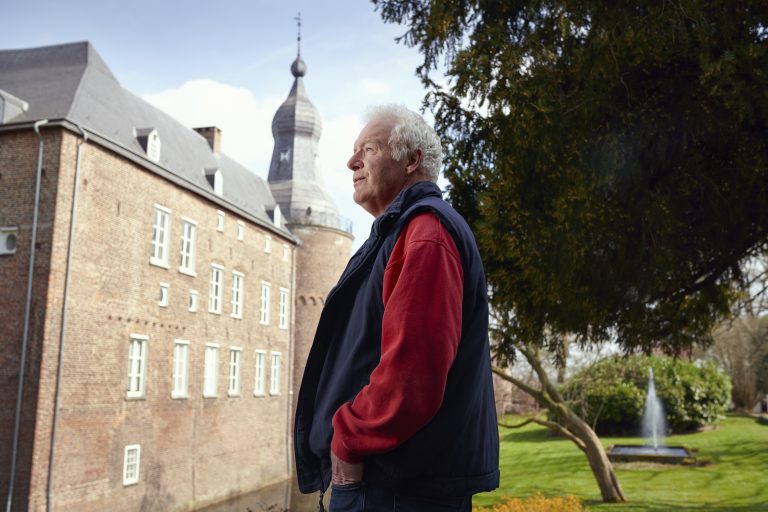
(347, 497)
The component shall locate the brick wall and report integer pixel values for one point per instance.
(18, 167)
(194, 450)
(319, 263)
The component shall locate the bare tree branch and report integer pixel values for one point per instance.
(528, 421)
(549, 391)
(535, 393)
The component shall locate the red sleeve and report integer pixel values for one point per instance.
(421, 328)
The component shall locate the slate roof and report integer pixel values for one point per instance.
(294, 172)
(72, 82)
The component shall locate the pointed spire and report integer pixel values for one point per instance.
(294, 171)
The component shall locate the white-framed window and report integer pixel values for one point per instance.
(267, 243)
(216, 290)
(237, 294)
(193, 300)
(180, 369)
(240, 230)
(137, 366)
(161, 231)
(188, 241)
(286, 252)
(274, 381)
(211, 370)
(283, 317)
(233, 388)
(266, 290)
(131, 464)
(220, 220)
(258, 384)
(164, 295)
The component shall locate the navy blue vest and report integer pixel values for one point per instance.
(457, 452)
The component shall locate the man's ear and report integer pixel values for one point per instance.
(414, 162)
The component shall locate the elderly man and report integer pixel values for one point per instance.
(396, 408)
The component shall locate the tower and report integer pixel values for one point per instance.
(308, 211)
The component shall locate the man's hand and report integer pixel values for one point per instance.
(345, 472)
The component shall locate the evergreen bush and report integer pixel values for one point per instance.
(610, 395)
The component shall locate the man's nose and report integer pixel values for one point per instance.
(354, 162)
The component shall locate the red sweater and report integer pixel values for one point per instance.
(421, 329)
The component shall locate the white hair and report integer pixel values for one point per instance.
(410, 133)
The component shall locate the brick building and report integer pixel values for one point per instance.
(148, 359)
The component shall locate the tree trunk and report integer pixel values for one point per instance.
(562, 359)
(575, 428)
(601, 467)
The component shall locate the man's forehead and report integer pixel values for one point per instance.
(377, 130)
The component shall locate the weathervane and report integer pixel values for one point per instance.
(298, 39)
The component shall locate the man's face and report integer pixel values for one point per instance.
(377, 178)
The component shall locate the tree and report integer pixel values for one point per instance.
(740, 344)
(753, 299)
(611, 158)
(741, 348)
(571, 425)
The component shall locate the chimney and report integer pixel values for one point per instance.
(213, 135)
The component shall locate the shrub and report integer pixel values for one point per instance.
(537, 503)
(611, 394)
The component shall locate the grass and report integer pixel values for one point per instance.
(736, 480)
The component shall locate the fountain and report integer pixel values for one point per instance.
(654, 427)
(654, 421)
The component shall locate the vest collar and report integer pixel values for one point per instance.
(402, 202)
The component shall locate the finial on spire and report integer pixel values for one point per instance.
(298, 39)
(298, 68)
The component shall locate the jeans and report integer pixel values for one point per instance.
(360, 497)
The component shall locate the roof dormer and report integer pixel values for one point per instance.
(277, 216)
(216, 180)
(10, 106)
(149, 140)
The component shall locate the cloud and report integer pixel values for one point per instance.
(245, 120)
(246, 124)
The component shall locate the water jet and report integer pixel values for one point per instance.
(654, 428)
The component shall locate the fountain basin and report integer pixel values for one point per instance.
(647, 453)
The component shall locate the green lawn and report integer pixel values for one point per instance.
(736, 479)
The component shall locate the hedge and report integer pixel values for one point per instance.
(610, 395)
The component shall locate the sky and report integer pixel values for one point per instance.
(227, 64)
